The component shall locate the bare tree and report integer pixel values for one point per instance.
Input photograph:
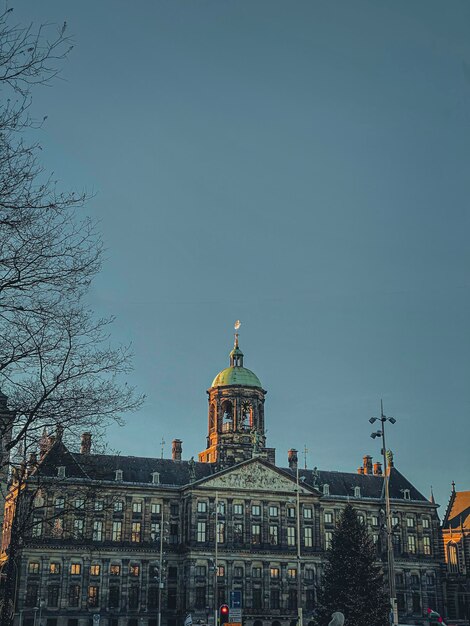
(57, 365)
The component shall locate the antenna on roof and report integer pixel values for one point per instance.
(162, 443)
(305, 456)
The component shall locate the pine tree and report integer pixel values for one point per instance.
(353, 582)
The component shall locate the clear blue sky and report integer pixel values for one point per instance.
(301, 166)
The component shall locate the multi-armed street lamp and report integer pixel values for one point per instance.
(391, 569)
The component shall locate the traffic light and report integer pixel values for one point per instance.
(223, 614)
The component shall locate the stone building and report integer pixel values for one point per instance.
(456, 540)
(138, 540)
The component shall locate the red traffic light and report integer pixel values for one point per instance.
(224, 609)
(223, 614)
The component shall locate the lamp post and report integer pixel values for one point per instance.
(391, 567)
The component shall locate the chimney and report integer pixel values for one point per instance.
(176, 449)
(292, 458)
(377, 468)
(59, 432)
(367, 464)
(85, 447)
(360, 470)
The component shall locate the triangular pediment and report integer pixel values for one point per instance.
(254, 475)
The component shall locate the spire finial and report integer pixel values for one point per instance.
(431, 499)
(236, 327)
(453, 486)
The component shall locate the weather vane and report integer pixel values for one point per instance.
(237, 327)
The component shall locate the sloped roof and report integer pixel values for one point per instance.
(458, 511)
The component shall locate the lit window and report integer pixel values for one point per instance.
(328, 517)
(220, 571)
(291, 572)
(137, 507)
(274, 572)
(201, 532)
(202, 507)
(136, 530)
(54, 568)
(290, 536)
(58, 528)
(256, 509)
(238, 509)
(273, 511)
(427, 545)
(114, 570)
(116, 531)
(452, 558)
(308, 537)
(95, 570)
(75, 569)
(308, 513)
(134, 570)
(155, 508)
(93, 595)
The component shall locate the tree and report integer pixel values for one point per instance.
(353, 581)
(57, 364)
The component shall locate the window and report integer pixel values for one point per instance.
(33, 567)
(256, 509)
(416, 601)
(174, 509)
(97, 531)
(399, 579)
(137, 507)
(75, 569)
(152, 599)
(273, 535)
(202, 507)
(221, 532)
(155, 508)
(374, 520)
(256, 572)
(155, 531)
(79, 503)
(59, 502)
(291, 512)
(238, 532)
(395, 521)
(116, 531)
(426, 522)
(134, 593)
(292, 599)
(290, 536)
(58, 528)
(134, 570)
(357, 492)
(238, 572)
(53, 595)
(326, 490)
(31, 598)
(396, 543)
(328, 540)
(273, 511)
(291, 573)
(430, 580)
(406, 494)
(201, 532)
(155, 478)
(93, 595)
(255, 534)
(36, 530)
(114, 569)
(410, 522)
(275, 598)
(154, 572)
(200, 597)
(99, 506)
(411, 544)
(201, 570)
(78, 527)
(257, 600)
(452, 558)
(54, 568)
(74, 595)
(427, 545)
(118, 475)
(238, 509)
(118, 506)
(328, 517)
(220, 571)
(414, 580)
(221, 507)
(310, 599)
(309, 574)
(274, 572)
(136, 530)
(308, 513)
(308, 536)
(95, 569)
(114, 597)
(173, 533)
(361, 518)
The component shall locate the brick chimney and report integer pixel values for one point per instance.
(176, 449)
(85, 447)
(292, 458)
(360, 470)
(377, 468)
(367, 464)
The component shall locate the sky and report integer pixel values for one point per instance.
(303, 167)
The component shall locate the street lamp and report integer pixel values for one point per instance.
(391, 568)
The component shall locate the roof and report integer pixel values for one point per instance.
(179, 473)
(458, 511)
(236, 376)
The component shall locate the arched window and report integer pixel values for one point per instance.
(227, 412)
(247, 416)
(452, 558)
(357, 492)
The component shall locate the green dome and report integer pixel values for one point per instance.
(236, 376)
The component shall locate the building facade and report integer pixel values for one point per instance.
(145, 541)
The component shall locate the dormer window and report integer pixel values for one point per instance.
(61, 471)
(119, 474)
(357, 492)
(155, 478)
(406, 494)
(326, 489)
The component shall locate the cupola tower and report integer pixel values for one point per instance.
(236, 430)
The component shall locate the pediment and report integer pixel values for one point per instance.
(251, 476)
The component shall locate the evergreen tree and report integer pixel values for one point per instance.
(353, 582)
